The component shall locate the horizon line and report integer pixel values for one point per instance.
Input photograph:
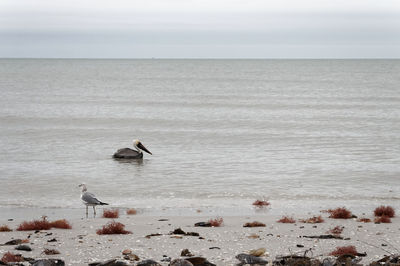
(211, 58)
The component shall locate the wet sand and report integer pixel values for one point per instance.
(81, 245)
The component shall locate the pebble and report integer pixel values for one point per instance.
(23, 247)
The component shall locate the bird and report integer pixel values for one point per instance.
(127, 153)
(89, 199)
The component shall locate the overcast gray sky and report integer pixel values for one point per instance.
(200, 28)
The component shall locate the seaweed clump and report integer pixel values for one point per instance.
(113, 228)
(346, 250)
(286, 220)
(382, 219)
(340, 213)
(110, 213)
(5, 228)
(61, 224)
(11, 257)
(384, 211)
(131, 211)
(217, 222)
(313, 220)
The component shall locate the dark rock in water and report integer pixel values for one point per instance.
(199, 261)
(112, 262)
(48, 262)
(148, 263)
(52, 240)
(250, 259)
(23, 247)
(186, 253)
(203, 224)
(13, 242)
(178, 231)
(127, 153)
(180, 262)
(214, 248)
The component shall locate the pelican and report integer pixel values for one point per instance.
(127, 153)
(90, 200)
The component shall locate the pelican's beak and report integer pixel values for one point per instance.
(140, 146)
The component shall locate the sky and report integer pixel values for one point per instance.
(199, 29)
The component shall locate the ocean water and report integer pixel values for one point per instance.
(304, 134)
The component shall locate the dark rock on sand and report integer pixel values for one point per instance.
(199, 261)
(178, 231)
(148, 263)
(186, 253)
(180, 262)
(23, 247)
(13, 242)
(48, 262)
(112, 262)
(249, 259)
(325, 237)
(52, 240)
(203, 224)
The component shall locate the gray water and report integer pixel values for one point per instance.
(223, 133)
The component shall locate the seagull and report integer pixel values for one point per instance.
(127, 153)
(89, 199)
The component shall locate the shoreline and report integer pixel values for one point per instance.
(81, 245)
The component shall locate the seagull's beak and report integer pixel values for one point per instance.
(140, 146)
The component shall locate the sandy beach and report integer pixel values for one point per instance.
(81, 245)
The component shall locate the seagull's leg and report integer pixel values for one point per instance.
(86, 211)
(94, 210)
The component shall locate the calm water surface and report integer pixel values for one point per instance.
(302, 133)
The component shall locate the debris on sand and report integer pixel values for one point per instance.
(254, 224)
(179, 231)
(148, 263)
(313, 220)
(186, 253)
(250, 259)
(180, 262)
(48, 262)
(261, 203)
(203, 224)
(151, 235)
(11, 257)
(199, 261)
(325, 237)
(112, 262)
(48, 251)
(257, 252)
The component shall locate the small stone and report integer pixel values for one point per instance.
(299, 246)
(126, 252)
(202, 224)
(257, 252)
(23, 247)
(178, 231)
(132, 257)
(186, 253)
(180, 262)
(148, 263)
(52, 240)
(13, 242)
(48, 262)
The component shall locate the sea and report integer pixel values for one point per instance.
(305, 135)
